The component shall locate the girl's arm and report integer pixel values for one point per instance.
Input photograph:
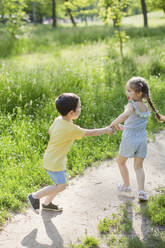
(124, 116)
(99, 131)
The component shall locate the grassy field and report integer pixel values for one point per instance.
(42, 64)
(155, 19)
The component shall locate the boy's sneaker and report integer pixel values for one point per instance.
(123, 188)
(52, 207)
(34, 203)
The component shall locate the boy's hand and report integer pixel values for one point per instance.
(110, 130)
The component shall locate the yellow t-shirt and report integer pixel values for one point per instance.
(62, 135)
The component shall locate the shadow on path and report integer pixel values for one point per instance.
(30, 241)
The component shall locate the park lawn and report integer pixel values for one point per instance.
(86, 61)
(155, 19)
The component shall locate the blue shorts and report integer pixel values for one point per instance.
(58, 177)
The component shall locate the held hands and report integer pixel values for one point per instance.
(110, 130)
(119, 127)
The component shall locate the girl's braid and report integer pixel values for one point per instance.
(158, 116)
(146, 94)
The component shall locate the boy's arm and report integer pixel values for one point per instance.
(99, 131)
(124, 116)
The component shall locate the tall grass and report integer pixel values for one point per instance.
(85, 61)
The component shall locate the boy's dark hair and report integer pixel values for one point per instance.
(66, 102)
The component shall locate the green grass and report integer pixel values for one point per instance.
(44, 63)
(117, 231)
(157, 217)
(155, 19)
(88, 242)
(118, 223)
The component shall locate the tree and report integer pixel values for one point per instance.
(12, 15)
(144, 10)
(80, 8)
(69, 6)
(115, 10)
(85, 9)
(54, 14)
(37, 9)
(158, 4)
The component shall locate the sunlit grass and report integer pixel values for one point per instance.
(155, 19)
(90, 66)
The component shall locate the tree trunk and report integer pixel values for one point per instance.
(34, 12)
(2, 14)
(2, 19)
(144, 10)
(54, 24)
(70, 15)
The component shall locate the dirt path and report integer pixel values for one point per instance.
(87, 199)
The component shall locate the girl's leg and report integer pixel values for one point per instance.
(123, 169)
(140, 176)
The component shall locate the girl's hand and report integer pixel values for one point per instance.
(120, 127)
(117, 126)
(113, 125)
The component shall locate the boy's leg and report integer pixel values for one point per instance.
(50, 197)
(34, 198)
(48, 205)
(123, 169)
(140, 176)
(49, 191)
(59, 178)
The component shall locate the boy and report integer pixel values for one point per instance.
(62, 133)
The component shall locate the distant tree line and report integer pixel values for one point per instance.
(14, 12)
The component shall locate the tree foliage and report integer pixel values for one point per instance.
(12, 14)
(158, 4)
(115, 10)
(82, 8)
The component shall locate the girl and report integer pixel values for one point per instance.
(134, 137)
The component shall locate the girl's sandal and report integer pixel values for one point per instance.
(122, 188)
(142, 196)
